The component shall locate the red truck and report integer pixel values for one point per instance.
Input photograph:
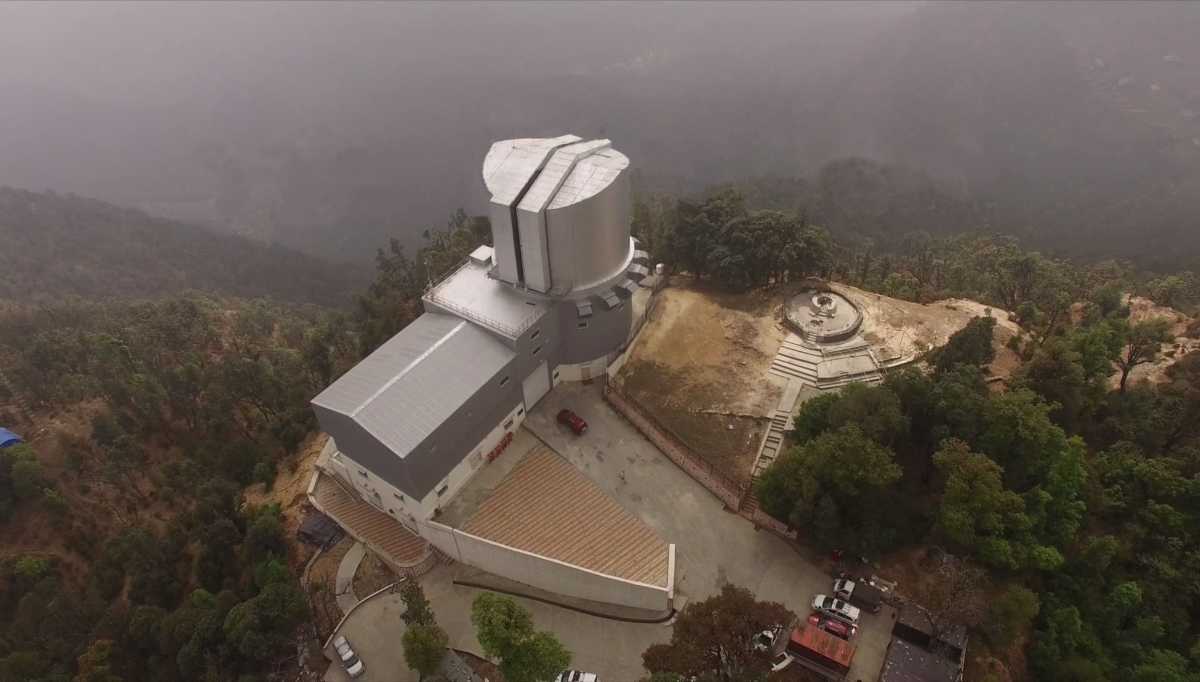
(821, 652)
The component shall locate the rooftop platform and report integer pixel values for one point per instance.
(471, 293)
(534, 500)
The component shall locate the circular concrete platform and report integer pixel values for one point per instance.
(823, 316)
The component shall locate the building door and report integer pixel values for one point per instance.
(536, 385)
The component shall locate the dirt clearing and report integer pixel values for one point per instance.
(899, 331)
(700, 368)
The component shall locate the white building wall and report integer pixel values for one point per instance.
(407, 510)
(546, 573)
(593, 369)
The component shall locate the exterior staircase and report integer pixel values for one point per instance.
(797, 360)
(773, 443)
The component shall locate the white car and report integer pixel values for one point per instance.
(577, 676)
(350, 660)
(836, 608)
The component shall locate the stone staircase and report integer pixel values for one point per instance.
(796, 359)
(773, 443)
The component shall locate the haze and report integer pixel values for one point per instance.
(334, 127)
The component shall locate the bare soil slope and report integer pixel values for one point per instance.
(700, 368)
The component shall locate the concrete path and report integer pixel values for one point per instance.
(343, 583)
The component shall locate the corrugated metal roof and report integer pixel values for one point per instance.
(417, 379)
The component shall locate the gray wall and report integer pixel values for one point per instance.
(589, 241)
(452, 441)
(442, 450)
(607, 330)
(365, 449)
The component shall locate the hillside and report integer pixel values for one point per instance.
(62, 245)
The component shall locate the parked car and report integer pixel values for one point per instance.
(836, 608)
(833, 626)
(861, 593)
(576, 424)
(766, 641)
(350, 660)
(577, 675)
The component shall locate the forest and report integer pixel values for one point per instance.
(131, 553)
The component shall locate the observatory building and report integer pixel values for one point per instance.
(548, 302)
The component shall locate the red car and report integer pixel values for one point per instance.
(833, 626)
(574, 421)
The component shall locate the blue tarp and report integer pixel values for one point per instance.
(8, 438)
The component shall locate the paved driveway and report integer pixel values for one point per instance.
(609, 648)
(713, 547)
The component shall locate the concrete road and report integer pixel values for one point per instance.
(609, 648)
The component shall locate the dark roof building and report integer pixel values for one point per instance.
(907, 662)
(914, 655)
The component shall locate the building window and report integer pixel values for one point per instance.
(398, 496)
(442, 490)
(504, 381)
(508, 424)
(362, 473)
(582, 325)
(536, 333)
(537, 350)
(520, 411)
(530, 303)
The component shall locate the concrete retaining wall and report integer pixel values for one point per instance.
(545, 573)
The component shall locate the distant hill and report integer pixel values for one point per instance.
(53, 245)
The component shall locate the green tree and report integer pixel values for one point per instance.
(976, 511)
(971, 345)
(95, 664)
(424, 648)
(417, 610)
(1010, 615)
(1142, 343)
(505, 632)
(714, 639)
(811, 483)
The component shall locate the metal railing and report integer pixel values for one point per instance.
(514, 330)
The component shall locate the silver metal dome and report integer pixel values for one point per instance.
(559, 212)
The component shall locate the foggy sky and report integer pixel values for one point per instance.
(282, 120)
